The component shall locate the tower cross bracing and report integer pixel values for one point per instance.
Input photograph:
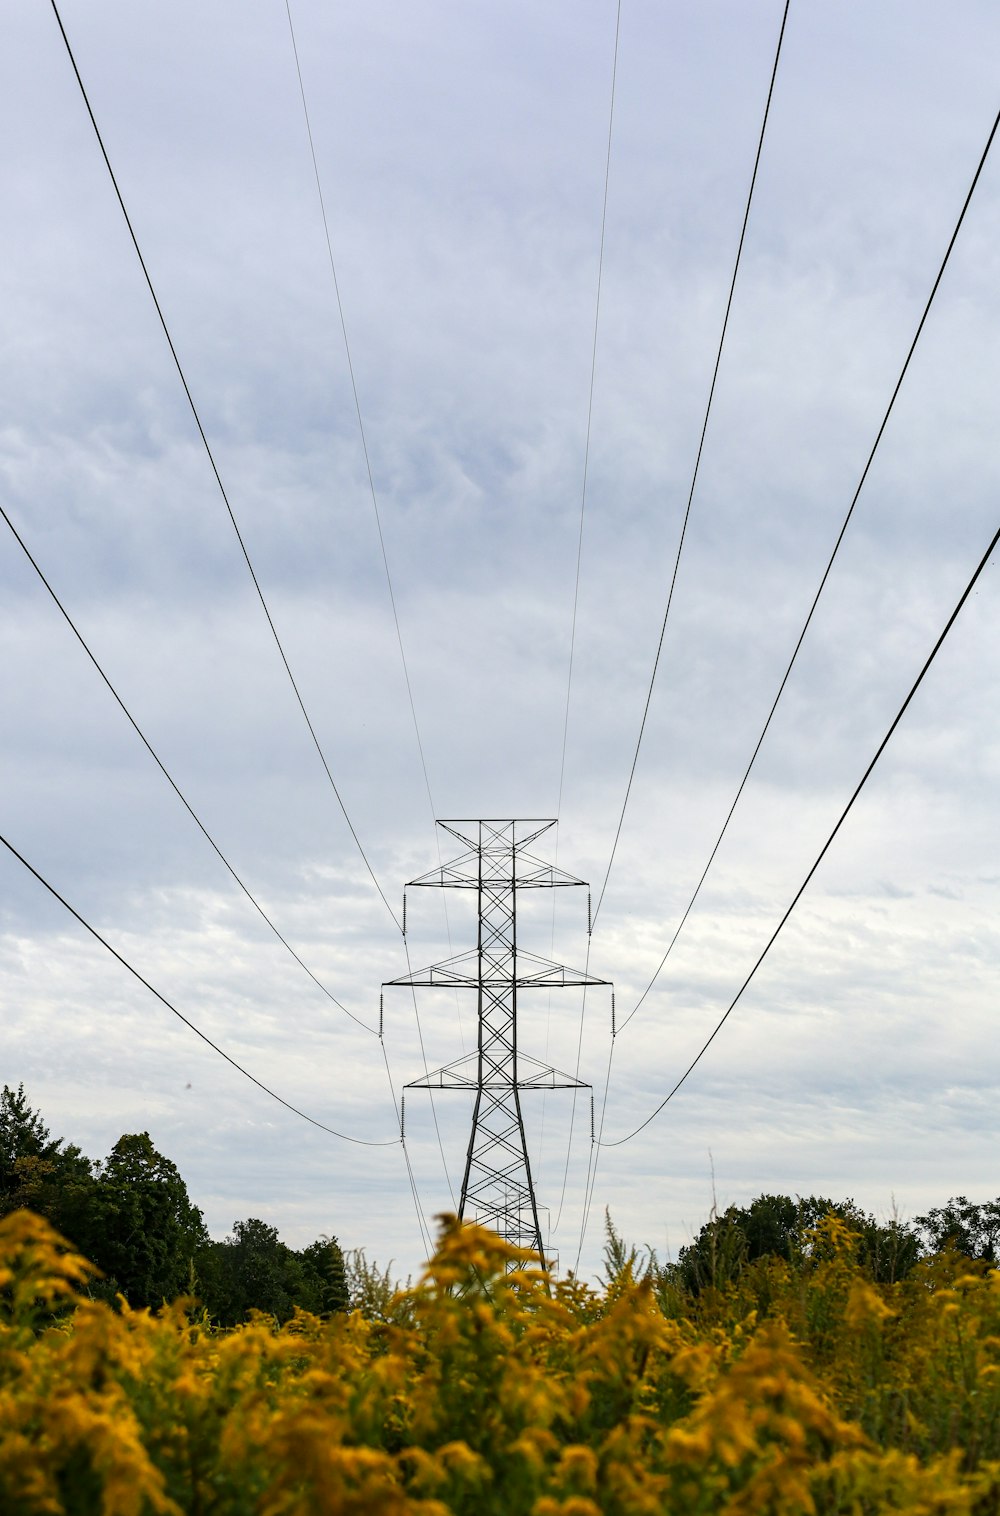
(497, 1186)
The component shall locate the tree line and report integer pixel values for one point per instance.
(777, 1226)
(132, 1216)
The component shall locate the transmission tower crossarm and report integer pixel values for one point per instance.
(464, 1074)
(465, 970)
(551, 975)
(462, 874)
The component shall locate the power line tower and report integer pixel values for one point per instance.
(497, 1188)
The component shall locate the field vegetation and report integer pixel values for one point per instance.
(799, 1380)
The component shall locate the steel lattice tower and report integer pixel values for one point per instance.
(497, 1188)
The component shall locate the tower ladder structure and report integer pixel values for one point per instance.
(497, 1186)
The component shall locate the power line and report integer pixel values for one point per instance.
(618, 1142)
(201, 431)
(215, 470)
(374, 496)
(576, 1075)
(829, 566)
(697, 465)
(595, 1153)
(592, 1169)
(172, 782)
(423, 1058)
(424, 1228)
(576, 602)
(359, 1141)
(680, 545)
(600, 1143)
(590, 411)
(357, 406)
(425, 1236)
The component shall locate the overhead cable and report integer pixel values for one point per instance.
(344, 1137)
(576, 1076)
(378, 523)
(620, 1141)
(826, 572)
(427, 1075)
(825, 848)
(576, 603)
(590, 414)
(680, 545)
(595, 1153)
(173, 783)
(357, 404)
(697, 465)
(425, 1234)
(215, 470)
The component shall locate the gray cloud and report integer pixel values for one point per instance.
(462, 160)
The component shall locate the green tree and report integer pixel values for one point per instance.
(253, 1270)
(973, 1229)
(324, 1277)
(776, 1226)
(144, 1231)
(40, 1172)
(23, 1133)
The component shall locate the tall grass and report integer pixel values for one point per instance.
(798, 1388)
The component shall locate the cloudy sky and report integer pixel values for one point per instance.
(461, 150)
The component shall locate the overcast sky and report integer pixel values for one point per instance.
(462, 153)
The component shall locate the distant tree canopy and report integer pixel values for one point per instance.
(131, 1215)
(146, 1232)
(778, 1226)
(253, 1270)
(973, 1229)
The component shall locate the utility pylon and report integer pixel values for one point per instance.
(497, 1188)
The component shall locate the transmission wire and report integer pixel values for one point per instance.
(620, 1141)
(572, 1114)
(374, 496)
(826, 571)
(427, 1074)
(680, 545)
(215, 470)
(172, 782)
(425, 1236)
(345, 1137)
(697, 465)
(600, 1142)
(590, 412)
(576, 586)
(359, 1141)
(592, 1161)
(826, 846)
(357, 405)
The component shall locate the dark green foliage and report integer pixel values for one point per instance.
(38, 1172)
(23, 1134)
(325, 1275)
(253, 1270)
(133, 1217)
(973, 1229)
(144, 1230)
(776, 1226)
(250, 1270)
